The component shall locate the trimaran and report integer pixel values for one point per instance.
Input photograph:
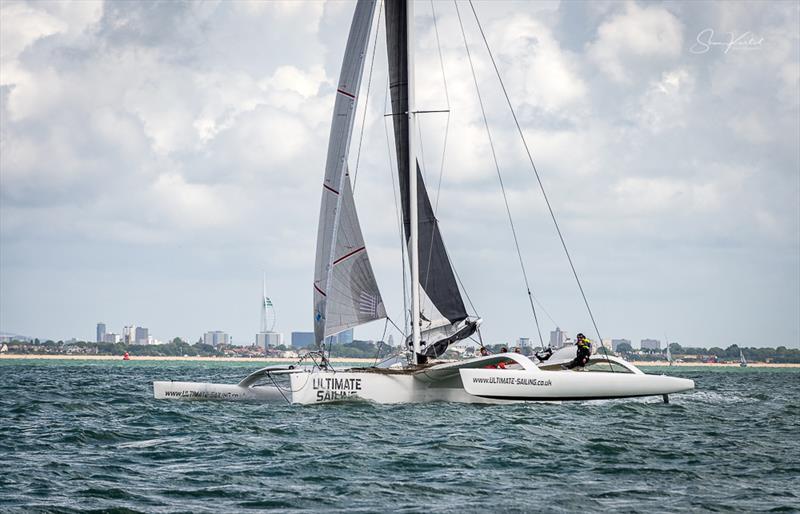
(346, 292)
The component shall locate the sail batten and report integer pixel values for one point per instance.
(346, 293)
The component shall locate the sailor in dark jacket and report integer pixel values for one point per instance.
(584, 352)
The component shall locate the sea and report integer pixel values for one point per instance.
(79, 436)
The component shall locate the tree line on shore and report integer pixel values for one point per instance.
(371, 349)
(780, 355)
(178, 348)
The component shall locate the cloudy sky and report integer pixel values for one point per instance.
(157, 157)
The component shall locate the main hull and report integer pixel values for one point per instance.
(335, 386)
(495, 379)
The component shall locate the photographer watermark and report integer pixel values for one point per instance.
(725, 41)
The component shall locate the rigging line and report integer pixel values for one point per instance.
(278, 388)
(538, 178)
(444, 151)
(458, 277)
(397, 209)
(499, 176)
(383, 338)
(402, 332)
(447, 101)
(442, 162)
(366, 98)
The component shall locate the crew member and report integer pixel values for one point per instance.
(545, 354)
(584, 352)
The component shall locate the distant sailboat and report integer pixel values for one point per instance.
(742, 361)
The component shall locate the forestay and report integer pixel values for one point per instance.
(345, 291)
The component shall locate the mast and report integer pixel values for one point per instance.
(412, 182)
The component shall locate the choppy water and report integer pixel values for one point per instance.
(89, 435)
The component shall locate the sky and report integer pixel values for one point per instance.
(157, 158)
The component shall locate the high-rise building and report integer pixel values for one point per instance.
(141, 334)
(269, 339)
(216, 338)
(101, 333)
(650, 344)
(111, 337)
(345, 337)
(302, 339)
(558, 338)
(616, 342)
(129, 334)
(524, 342)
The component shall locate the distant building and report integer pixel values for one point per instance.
(302, 339)
(129, 334)
(616, 342)
(558, 338)
(345, 337)
(651, 344)
(111, 337)
(141, 335)
(216, 338)
(269, 339)
(524, 342)
(101, 333)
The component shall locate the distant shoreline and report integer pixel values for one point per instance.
(8, 356)
(34, 356)
(718, 364)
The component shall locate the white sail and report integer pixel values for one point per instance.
(345, 291)
(353, 297)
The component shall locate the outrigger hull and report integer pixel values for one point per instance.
(169, 390)
(246, 390)
(568, 385)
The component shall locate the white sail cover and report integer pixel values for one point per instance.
(345, 291)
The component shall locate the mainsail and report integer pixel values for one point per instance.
(345, 291)
(443, 321)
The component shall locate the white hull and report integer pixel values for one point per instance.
(246, 390)
(332, 386)
(169, 390)
(476, 380)
(568, 385)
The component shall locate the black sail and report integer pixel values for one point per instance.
(435, 273)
